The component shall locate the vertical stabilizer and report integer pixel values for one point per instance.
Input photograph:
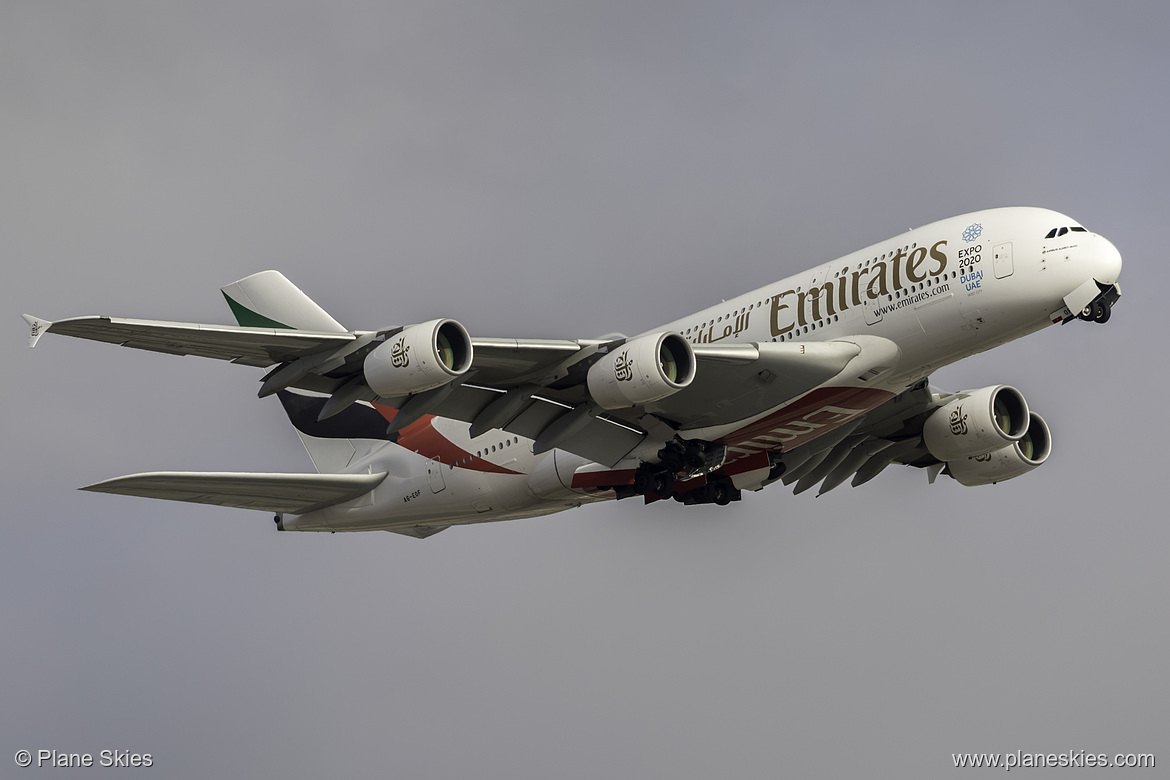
(336, 443)
(269, 300)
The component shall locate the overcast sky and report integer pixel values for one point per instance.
(549, 169)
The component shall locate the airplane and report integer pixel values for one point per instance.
(816, 379)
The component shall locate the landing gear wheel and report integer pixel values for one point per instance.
(1098, 311)
(660, 485)
(721, 493)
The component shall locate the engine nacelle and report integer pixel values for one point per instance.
(1017, 458)
(984, 421)
(419, 357)
(641, 371)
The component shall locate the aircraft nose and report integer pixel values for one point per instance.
(1106, 261)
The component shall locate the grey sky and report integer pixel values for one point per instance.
(566, 170)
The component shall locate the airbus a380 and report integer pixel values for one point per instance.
(814, 380)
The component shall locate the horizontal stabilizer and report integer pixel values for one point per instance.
(292, 494)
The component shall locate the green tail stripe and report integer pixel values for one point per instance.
(250, 319)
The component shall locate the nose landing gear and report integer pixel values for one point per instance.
(1101, 306)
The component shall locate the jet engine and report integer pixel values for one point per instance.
(1015, 459)
(980, 422)
(641, 371)
(419, 357)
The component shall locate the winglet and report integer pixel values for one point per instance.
(38, 328)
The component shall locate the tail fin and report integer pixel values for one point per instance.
(336, 442)
(269, 300)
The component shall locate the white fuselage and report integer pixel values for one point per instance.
(940, 293)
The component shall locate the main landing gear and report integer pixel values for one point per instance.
(686, 472)
(652, 480)
(718, 490)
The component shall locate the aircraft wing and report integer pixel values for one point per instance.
(250, 346)
(496, 359)
(732, 382)
(535, 388)
(890, 434)
(735, 381)
(278, 493)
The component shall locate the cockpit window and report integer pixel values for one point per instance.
(1056, 232)
(1051, 233)
(1061, 232)
(1076, 229)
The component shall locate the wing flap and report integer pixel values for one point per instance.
(279, 493)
